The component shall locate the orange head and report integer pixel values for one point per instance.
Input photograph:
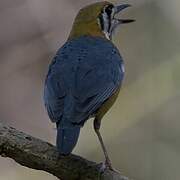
(98, 19)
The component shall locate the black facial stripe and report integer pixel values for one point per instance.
(101, 21)
(105, 18)
(108, 10)
(109, 21)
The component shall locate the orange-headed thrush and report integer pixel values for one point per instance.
(85, 76)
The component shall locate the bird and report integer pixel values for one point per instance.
(85, 76)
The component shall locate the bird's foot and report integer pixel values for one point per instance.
(107, 166)
(102, 167)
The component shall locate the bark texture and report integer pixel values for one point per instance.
(37, 154)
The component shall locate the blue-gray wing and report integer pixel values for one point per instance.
(81, 79)
(94, 85)
(54, 95)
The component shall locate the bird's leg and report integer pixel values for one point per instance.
(97, 124)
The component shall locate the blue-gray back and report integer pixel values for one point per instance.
(84, 73)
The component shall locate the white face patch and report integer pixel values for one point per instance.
(105, 32)
(107, 35)
(105, 20)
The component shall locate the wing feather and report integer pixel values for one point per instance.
(84, 74)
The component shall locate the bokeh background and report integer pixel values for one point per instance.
(141, 131)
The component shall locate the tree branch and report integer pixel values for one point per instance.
(37, 154)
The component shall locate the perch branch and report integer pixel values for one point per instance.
(37, 154)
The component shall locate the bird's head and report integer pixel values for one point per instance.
(98, 19)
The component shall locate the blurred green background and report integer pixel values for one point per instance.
(141, 131)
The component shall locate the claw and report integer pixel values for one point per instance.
(105, 166)
(102, 167)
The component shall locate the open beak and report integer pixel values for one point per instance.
(115, 22)
(118, 9)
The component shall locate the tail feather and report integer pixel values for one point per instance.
(67, 138)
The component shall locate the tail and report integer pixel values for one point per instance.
(67, 138)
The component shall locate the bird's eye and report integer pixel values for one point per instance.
(108, 10)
